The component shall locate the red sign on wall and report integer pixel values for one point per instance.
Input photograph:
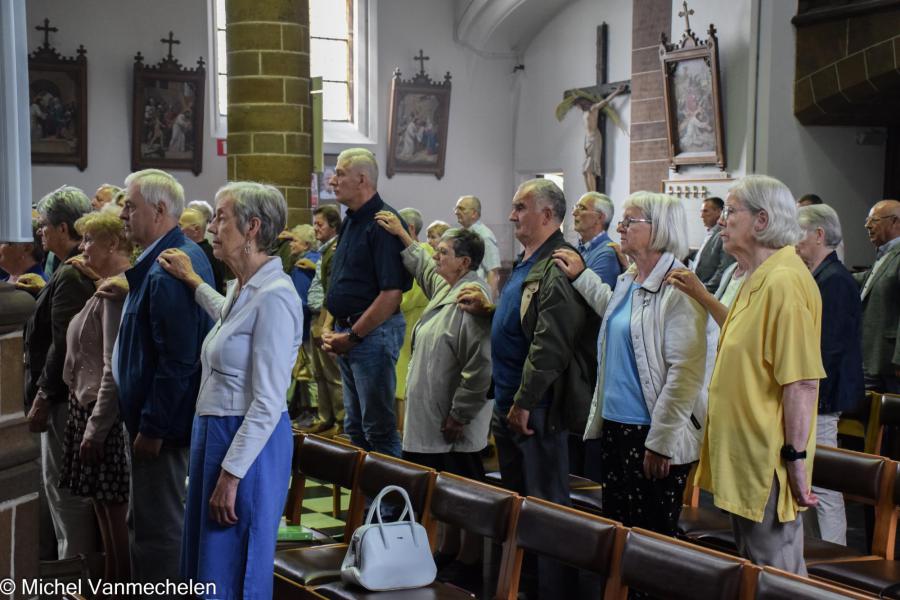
(222, 147)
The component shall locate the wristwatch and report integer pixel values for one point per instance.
(353, 337)
(790, 454)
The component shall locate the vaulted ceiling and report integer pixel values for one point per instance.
(503, 26)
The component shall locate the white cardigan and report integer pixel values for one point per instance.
(248, 356)
(669, 340)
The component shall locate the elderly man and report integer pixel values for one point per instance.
(156, 366)
(367, 284)
(193, 223)
(330, 420)
(711, 260)
(543, 349)
(413, 304)
(842, 388)
(880, 296)
(468, 214)
(104, 195)
(592, 216)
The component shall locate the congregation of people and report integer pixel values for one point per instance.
(176, 341)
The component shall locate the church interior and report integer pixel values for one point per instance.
(460, 98)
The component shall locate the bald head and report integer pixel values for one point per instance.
(883, 223)
(468, 210)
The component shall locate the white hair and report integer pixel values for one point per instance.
(602, 204)
(258, 200)
(667, 218)
(362, 161)
(412, 217)
(158, 187)
(763, 193)
(815, 216)
(204, 208)
(304, 233)
(548, 194)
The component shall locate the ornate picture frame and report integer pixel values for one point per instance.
(167, 115)
(417, 125)
(57, 90)
(693, 98)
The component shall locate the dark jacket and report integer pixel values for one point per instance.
(881, 319)
(159, 346)
(843, 388)
(562, 332)
(220, 271)
(45, 332)
(713, 261)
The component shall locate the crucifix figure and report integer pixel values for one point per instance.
(595, 102)
(170, 41)
(46, 29)
(421, 58)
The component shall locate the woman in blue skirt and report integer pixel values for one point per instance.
(241, 444)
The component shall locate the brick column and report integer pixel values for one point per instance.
(269, 111)
(649, 157)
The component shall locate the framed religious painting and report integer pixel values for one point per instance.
(57, 97)
(167, 115)
(417, 125)
(693, 98)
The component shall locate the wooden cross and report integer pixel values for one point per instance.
(602, 90)
(170, 41)
(46, 29)
(421, 58)
(686, 13)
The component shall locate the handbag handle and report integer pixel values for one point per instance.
(375, 510)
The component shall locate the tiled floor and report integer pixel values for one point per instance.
(317, 509)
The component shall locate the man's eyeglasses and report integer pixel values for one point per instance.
(627, 221)
(873, 220)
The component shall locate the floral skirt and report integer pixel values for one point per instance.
(107, 481)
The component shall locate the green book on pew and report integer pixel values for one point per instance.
(294, 533)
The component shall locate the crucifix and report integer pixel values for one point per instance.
(686, 13)
(594, 101)
(170, 41)
(421, 58)
(46, 29)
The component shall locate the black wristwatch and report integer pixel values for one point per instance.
(353, 337)
(790, 454)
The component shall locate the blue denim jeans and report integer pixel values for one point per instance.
(368, 374)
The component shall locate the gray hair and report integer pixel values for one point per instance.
(158, 187)
(764, 193)
(412, 217)
(602, 204)
(65, 205)
(476, 203)
(549, 194)
(363, 161)
(814, 216)
(203, 207)
(667, 218)
(466, 243)
(261, 201)
(304, 233)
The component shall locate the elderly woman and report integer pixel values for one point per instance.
(46, 394)
(241, 443)
(649, 402)
(302, 393)
(435, 231)
(757, 452)
(447, 414)
(94, 463)
(843, 387)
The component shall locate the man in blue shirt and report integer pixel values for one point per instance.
(367, 284)
(592, 215)
(156, 366)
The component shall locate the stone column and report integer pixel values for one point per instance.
(269, 110)
(649, 153)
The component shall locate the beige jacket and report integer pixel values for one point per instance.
(88, 367)
(450, 368)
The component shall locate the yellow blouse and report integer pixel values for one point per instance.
(412, 306)
(771, 338)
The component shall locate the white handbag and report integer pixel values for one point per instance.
(389, 556)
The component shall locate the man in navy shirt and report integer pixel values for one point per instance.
(592, 215)
(367, 283)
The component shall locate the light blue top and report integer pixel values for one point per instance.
(623, 399)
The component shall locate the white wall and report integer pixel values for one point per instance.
(113, 31)
(563, 56)
(480, 135)
(823, 160)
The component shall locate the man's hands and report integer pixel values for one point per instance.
(797, 478)
(39, 413)
(222, 501)
(517, 419)
(146, 448)
(473, 301)
(569, 262)
(452, 429)
(337, 343)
